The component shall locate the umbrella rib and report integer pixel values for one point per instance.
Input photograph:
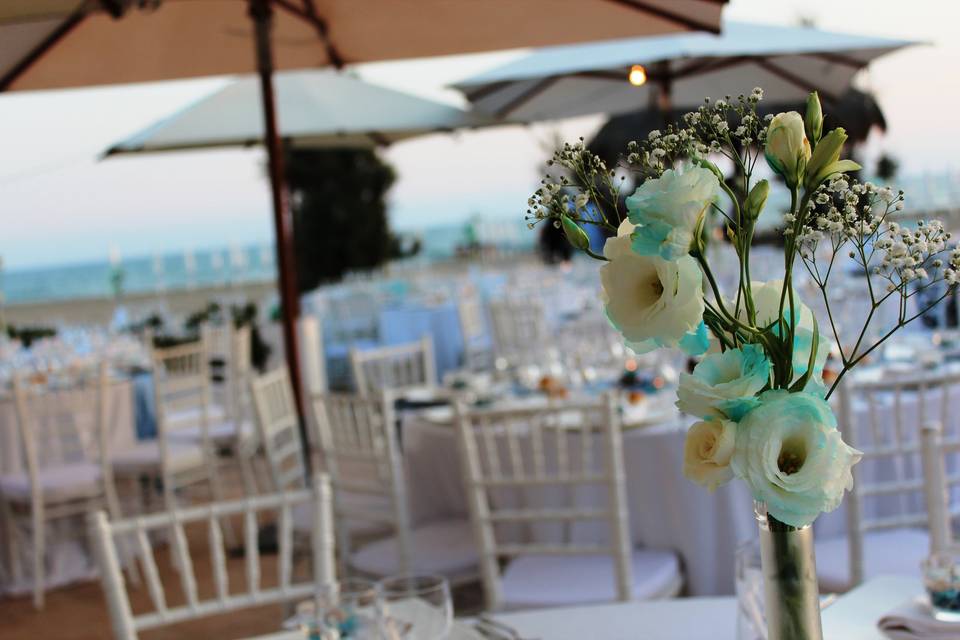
(794, 79)
(38, 51)
(309, 14)
(666, 14)
(539, 87)
(839, 59)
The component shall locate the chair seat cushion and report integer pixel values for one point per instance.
(889, 552)
(215, 413)
(360, 528)
(61, 483)
(145, 457)
(444, 547)
(222, 433)
(531, 582)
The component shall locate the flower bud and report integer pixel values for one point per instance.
(813, 122)
(787, 149)
(575, 233)
(825, 160)
(706, 164)
(756, 199)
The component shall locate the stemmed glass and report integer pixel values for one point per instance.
(415, 606)
(346, 609)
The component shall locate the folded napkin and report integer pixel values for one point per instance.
(914, 621)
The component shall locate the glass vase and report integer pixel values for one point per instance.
(792, 601)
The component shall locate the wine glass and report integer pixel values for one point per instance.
(340, 611)
(415, 606)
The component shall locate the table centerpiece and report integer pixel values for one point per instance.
(758, 390)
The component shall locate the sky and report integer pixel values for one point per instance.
(61, 204)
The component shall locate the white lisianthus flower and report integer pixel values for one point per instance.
(667, 211)
(724, 385)
(792, 456)
(766, 300)
(649, 298)
(788, 149)
(707, 452)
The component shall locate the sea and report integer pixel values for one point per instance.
(224, 265)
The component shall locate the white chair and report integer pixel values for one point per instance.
(940, 486)
(886, 517)
(278, 429)
(519, 329)
(477, 354)
(229, 596)
(65, 474)
(358, 439)
(570, 456)
(397, 367)
(181, 386)
(312, 358)
(227, 419)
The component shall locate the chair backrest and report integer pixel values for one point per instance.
(312, 354)
(358, 440)
(940, 487)
(519, 328)
(558, 452)
(181, 388)
(239, 370)
(278, 428)
(59, 426)
(395, 367)
(882, 418)
(257, 589)
(477, 354)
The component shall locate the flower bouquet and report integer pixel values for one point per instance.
(758, 391)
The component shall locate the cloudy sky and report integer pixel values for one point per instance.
(59, 204)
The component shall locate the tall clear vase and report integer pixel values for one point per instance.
(792, 601)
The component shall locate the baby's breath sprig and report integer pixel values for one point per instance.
(846, 215)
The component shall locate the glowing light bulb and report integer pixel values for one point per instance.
(637, 75)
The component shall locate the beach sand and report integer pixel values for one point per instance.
(100, 311)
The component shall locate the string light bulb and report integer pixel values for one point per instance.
(637, 76)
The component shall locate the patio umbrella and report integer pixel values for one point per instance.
(675, 71)
(68, 43)
(314, 109)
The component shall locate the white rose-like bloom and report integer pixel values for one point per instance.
(647, 297)
(667, 211)
(790, 453)
(707, 452)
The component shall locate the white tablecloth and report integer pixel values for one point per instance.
(69, 555)
(666, 510)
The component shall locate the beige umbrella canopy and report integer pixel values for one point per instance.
(48, 44)
(70, 43)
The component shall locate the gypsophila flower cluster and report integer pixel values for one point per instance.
(728, 127)
(845, 215)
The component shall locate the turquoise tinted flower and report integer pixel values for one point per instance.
(766, 298)
(667, 210)
(724, 385)
(790, 453)
(694, 343)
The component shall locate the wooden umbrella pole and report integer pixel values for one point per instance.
(261, 13)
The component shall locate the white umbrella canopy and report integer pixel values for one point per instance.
(575, 80)
(68, 43)
(314, 109)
